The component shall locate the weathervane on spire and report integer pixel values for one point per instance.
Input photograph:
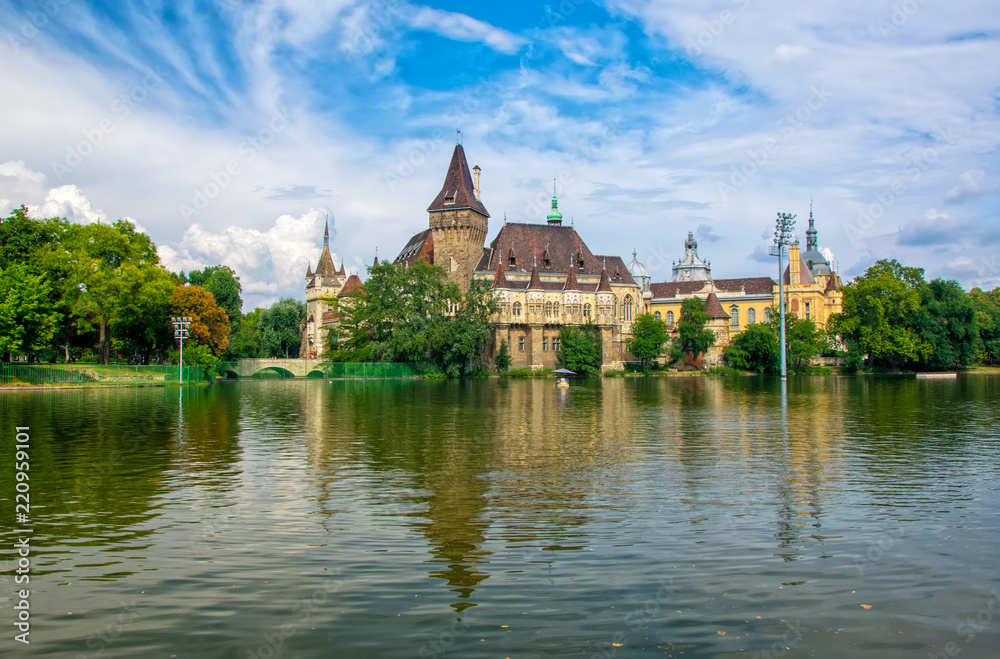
(459, 137)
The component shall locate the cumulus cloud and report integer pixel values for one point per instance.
(69, 201)
(271, 263)
(19, 184)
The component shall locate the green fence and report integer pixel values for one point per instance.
(15, 373)
(364, 371)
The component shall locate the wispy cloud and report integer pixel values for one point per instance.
(463, 27)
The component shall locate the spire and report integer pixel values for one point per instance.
(309, 272)
(500, 279)
(571, 283)
(458, 191)
(536, 283)
(811, 242)
(605, 285)
(554, 217)
(326, 235)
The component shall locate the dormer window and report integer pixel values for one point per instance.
(579, 260)
(511, 258)
(449, 198)
(545, 259)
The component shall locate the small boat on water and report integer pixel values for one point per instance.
(563, 382)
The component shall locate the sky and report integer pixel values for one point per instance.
(230, 131)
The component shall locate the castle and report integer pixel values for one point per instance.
(544, 274)
(545, 277)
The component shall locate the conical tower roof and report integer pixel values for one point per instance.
(458, 190)
(714, 308)
(536, 282)
(605, 285)
(571, 283)
(500, 280)
(554, 216)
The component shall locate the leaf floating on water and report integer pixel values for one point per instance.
(617, 645)
(721, 633)
(866, 606)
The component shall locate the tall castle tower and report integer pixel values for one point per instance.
(459, 221)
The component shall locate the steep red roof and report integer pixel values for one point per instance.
(748, 285)
(527, 241)
(420, 246)
(536, 283)
(605, 284)
(458, 191)
(714, 307)
(325, 266)
(351, 286)
(571, 283)
(500, 281)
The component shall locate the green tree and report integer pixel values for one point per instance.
(947, 323)
(459, 338)
(754, 349)
(141, 319)
(582, 348)
(503, 358)
(280, 328)
(649, 336)
(878, 315)
(224, 285)
(692, 337)
(28, 318)
(803, 340)
(397, 315)
(244, 342)
(987, 306)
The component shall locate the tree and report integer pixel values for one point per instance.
(987, 306)
(649, 335)
(28, 318)
(582, 348)
(280, 328)
(224, 285)
(503, 357)
(803, 340)
(459, 338)
(692, 337)
(754, 349)
(878, 311)
(946, 322)
(141, 318)
(244, 342)
(210, 326)
(396, 316)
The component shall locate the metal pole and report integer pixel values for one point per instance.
(781, 310)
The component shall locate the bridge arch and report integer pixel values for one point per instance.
(282, 372)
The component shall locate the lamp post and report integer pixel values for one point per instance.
(180, 333)
(782, 238)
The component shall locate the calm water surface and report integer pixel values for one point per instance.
(685, 517)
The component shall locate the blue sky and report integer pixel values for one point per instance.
(231, 130)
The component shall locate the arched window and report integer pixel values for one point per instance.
(517, 308)
(628, 308)
(548, 308)
(555, 308)
(751, 316)
(658, 316)
(767, 315)
(586, 311)
(670, 319)
(734, 316)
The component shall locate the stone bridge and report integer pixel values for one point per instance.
(286, 368)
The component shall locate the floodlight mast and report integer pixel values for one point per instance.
(180, 333)
(782, 238)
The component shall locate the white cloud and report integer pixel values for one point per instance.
(69, 201)
(462, 27)
(973, 183)
(271, 263)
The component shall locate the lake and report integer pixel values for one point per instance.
(660, 517)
